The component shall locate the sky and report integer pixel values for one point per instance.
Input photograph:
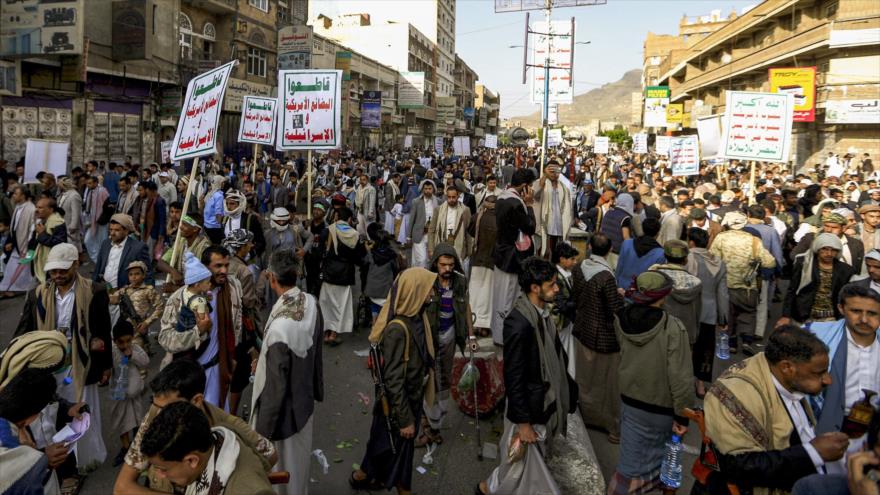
(616, 32)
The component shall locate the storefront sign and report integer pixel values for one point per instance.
(800, 82)
(41, 28)
(852, 112)
(239, 88)
(411, 93)
(656, 101)
(371, 109)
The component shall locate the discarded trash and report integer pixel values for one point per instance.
(428, 458)
(322, 460)
(421, 470)
(365, 400)
(362, 353)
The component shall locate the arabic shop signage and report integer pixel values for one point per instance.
(309, 109)
(295, 47)
(257, 120)
(371, 109)
(852, 112)
(239, 88)
(196, 133)
(758, 126)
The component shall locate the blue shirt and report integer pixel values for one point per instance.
(111, 183)
(213, 208)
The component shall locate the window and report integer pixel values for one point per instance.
(186, 36)
(260, 4)
(207, 50)
(256, 62)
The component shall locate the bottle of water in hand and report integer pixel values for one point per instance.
(120, 390)
(670, 470)
(722, 346)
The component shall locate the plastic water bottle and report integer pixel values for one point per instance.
(121, 389)
(670, 470)
(722, 346)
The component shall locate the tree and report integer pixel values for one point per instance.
(618, 136)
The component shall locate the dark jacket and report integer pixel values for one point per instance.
(523, 384)
(484, 235)
(99, 326)
(856, 249)
(798, 306)
(511, 219)
(461, 308)
(134, 250)
(404, 380)
(338, 264)
(597, 302)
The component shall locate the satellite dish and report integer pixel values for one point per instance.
(518, 136)
(574, 138)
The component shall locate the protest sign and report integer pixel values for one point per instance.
(309, 109)
(257, 120)
(600, 145)
(758, 126)
(45, 156)
(461, 145)
(438, 145)
(491, 141)
(165, 151)
(661, 145)
(684, 155)
(407, 141)
(640, 143)
(709, 129)
(197, 128)
(554, 137)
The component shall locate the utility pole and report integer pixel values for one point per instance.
(548, 4)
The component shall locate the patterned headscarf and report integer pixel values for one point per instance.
(237, 238)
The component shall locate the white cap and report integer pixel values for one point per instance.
(164, 174)
(61, 257)
(873, 254)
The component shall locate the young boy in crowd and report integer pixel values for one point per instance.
(140, 304)
(126, 412)
(198, 283)
(564, 306)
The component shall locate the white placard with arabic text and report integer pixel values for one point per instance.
(257, 120)
(661, 145)
(600, 145)
(554, 137)
(309, 109)
(407, 141)
(758, 126)
(438, 145)
(197, 128)
(491, 141)
(684, 155)
(640, 143)
(461, 145)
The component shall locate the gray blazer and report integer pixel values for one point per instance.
(415, 229)
(368, 209)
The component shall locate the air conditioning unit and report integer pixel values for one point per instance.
(241, 27)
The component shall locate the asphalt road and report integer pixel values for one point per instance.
(342, 424)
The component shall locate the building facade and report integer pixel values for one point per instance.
(488, 103)
(839, 38)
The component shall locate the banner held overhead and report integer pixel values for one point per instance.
(309, 109)
(257, 120)
(197, 128)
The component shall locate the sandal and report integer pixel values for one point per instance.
(72, 485)
(364, 484)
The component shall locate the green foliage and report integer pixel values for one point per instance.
(618, 136)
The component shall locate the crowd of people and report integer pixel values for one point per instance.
(606, 284)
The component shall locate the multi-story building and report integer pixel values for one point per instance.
(401, 47)
(839, 38)
(488, 102)
(366, 74)
(465, 91)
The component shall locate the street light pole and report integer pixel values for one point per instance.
(546, 110)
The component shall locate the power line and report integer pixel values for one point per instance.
(488, 28)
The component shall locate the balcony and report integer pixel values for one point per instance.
(215, 6)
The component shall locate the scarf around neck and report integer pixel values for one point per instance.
(553, 368)
(594, 265)
(342, 232)
(221, 464)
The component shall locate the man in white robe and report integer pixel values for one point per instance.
(17, 277)
(289, 373)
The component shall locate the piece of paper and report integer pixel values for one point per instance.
(73, 431)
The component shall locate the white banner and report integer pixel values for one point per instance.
(758, 126)
(710, 130)
(561, 91)
(684, 155)
(411, 90)
(197, 128)
(852, 112)
(640, 143)
(257, 120)
(492, 141)
(553, 114)
(461, 146)
(554, 137)
(600, 145)
(438, 145)
(407, 141)
(309, 109)
(661, 145)
(45, 156)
